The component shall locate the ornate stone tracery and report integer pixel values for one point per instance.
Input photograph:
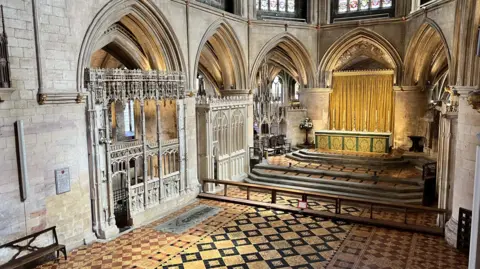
(150, 171)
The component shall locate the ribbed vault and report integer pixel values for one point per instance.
(427, 56)
(287, 53)
(131, 34)
(220, 58)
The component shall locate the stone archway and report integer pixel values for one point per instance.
(220, 58)
(427, 56)
(285, 52)
(137, 28)
(363, 44)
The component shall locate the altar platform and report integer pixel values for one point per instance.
(376, 142)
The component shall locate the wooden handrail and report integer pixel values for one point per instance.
(324, 196)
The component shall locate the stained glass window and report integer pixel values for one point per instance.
(364, 4)
(281, 5)
(353, 5)
(291, 6)
(342, 6)
(264, 4)
(345, 6)
(386, 3)
(273, 4)
(375, 3)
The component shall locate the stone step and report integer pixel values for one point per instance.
(338, 185)
(414, 182)
(351, 156)
(417, 199)
(342, 160)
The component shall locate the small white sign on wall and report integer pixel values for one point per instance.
(62, 180)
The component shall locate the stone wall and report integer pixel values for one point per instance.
(294, 133)
(410, 107)
(56, 134)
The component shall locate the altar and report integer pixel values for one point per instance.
(353, 141)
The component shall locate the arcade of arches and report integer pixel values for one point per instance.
(240, 134)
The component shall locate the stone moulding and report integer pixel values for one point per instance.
(61, 98)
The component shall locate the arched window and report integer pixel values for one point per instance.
(129, 119)
(296, 88)
(277, 89)
(343, 10)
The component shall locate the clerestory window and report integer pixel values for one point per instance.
(281, 10)
(226, 5)
(343, 10)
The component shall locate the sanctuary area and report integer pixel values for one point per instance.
(239, 134)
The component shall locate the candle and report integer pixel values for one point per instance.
(354, 123)
(388, 122)
(334, 119)
(365, 125)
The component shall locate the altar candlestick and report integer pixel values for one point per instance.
(354, 125)
(376, 120)
(388, 122)
(365, 125)
(344, 119)
(334, 119)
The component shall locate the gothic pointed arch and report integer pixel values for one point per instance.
(428, 56)
(135, 33)
(357, 45)
(220, 57)
(286, 52)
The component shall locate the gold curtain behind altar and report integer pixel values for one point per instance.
(362, 101)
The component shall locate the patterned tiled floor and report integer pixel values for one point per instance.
(246, 237)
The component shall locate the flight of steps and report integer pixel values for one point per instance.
(339, 183)
(347, 159)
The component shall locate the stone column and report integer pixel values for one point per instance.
(474, 257)
(317, 102)
(145, 156)
(445, 160)
(463, 185)
(159, 141)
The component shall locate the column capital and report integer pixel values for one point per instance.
(463, 91)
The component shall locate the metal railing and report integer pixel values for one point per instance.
(338, 201)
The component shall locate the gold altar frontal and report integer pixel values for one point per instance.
(353, 141)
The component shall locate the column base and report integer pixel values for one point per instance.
(89, 238)
(109, 232)
(451, 232)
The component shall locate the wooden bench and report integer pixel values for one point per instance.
(35, 253)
